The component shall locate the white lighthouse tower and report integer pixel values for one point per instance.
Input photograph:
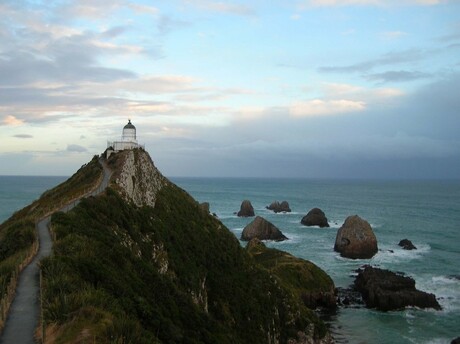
(128, 140)
(129, 133)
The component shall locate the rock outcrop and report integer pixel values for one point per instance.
(386, 290)
(205, 206)
(136, 177)
(315, 217)
(407, 244)
(246, 209)
(278, 207)
(262, 230)
(355, 239)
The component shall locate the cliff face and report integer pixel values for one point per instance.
(136, 177)
(143, 263)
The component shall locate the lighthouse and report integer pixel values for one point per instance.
(129, 133)
(128, 140)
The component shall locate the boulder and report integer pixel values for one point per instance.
(262, 230)
(386, 290)
(407, 244)
(455, 341)
(278, 207)
(315, 217)
(246, 209)
(355, 239)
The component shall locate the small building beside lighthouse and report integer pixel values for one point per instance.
(128, 140)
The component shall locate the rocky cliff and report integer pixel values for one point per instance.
(143, 263)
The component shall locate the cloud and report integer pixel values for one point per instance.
(392, 58)
(23, 136)
(222, 7)
(329, 3)
(12, 120)
(392, 35)
(397, 76)
(318, 107)
(167, 24)
(76, 148)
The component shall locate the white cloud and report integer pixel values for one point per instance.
(318, 107)
(392, 35)
(222, 7)
(325, 3)
(12, 120)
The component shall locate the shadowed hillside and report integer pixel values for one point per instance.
(143, 263)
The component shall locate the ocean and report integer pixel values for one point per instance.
(425, 212)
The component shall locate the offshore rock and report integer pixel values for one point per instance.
(407, 244)
(246, 209)
(355, 239)
(278, 207)
(262, 230)
(315, 217)
(386, 290)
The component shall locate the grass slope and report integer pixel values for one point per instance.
(18, 234)
(170, 274)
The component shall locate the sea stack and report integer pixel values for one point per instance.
(246, 209)
(262, 230)
(315, 217)
(278, 207)
(355, 239)
(407, 244)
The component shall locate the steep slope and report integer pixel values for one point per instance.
(143, 263)
(18, 235)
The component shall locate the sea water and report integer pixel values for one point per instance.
(16, 192)
(425, 212)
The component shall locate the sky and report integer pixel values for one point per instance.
(216, 88)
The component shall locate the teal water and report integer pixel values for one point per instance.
(426, 212)
(16, 192)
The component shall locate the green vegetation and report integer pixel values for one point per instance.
(169, 274)
(18, 235)
(302, 278)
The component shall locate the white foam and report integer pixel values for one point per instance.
(446, 289)
(393, 253)
(335, 224)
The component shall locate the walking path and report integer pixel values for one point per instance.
(23, 317)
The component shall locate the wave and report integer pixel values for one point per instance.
(389, 254)
(446, 289)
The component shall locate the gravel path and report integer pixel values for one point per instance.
(23, 317)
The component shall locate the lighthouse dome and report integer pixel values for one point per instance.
(129, 132)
